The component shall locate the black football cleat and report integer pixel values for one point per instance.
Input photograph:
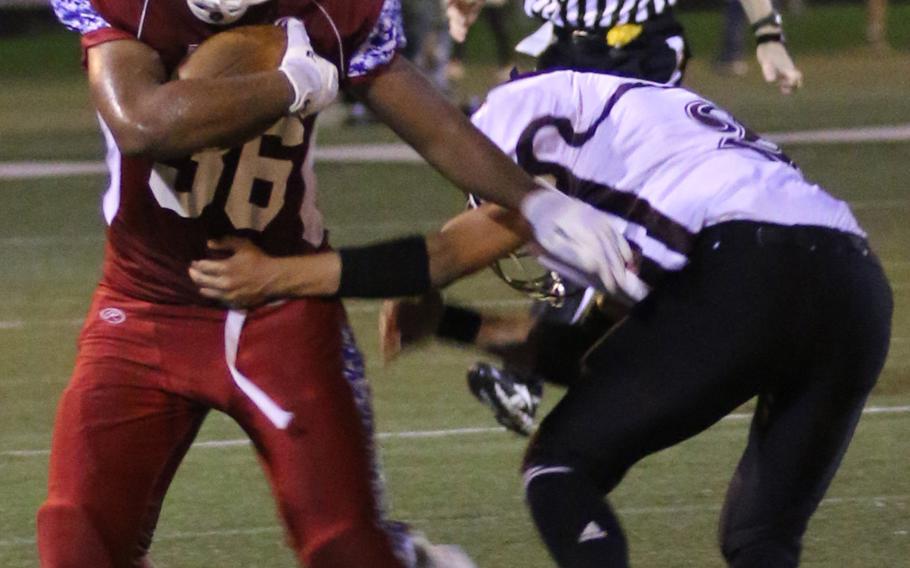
(513, 398)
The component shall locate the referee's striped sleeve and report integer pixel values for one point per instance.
(595, 14)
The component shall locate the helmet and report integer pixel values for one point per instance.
(221, 12)
(521, 271)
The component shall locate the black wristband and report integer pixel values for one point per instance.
(385, 270)
(459, 324)
(769, 37)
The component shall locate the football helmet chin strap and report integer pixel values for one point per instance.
(221, 12)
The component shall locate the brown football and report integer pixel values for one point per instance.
(238, 51)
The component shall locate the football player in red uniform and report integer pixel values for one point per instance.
(196, 159)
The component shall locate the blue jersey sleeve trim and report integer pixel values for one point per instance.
(79, 15)
(383, 42)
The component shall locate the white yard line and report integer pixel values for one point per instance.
(887, 133)
(446, 433)
(360, 153)
(401, 153)
(29, 170)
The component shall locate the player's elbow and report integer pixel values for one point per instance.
(144, 136)
(134, 142)
(138, 139)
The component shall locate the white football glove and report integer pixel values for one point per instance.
(583, 243)
(462, 14)
(313, 78)
(777, 66)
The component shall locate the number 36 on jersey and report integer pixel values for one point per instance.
(253, 178)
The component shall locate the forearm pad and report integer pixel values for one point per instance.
(385, 270)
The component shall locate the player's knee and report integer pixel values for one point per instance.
(604, 471)
(780, 550)
(545, 489)
(576, 524)
(356, 547)
(67, 538)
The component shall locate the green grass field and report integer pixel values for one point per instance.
(458, 487)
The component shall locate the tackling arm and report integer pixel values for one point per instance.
(466, 244)
(473, 240)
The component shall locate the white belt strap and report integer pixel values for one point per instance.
(277, 415)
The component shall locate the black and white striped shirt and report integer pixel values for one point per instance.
(595, 14)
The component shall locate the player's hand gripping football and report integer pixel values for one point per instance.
(403, 323)
(313, 78)
(583, 244)
(246, 278)
(777, 67)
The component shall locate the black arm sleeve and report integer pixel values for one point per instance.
(385, 270)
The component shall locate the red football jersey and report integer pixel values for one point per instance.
(160, 215)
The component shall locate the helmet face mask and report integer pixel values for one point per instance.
(521, 271)
(221, 12)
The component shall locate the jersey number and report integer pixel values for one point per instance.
(255, 176)
(740, 137)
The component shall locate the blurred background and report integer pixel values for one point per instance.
(452, 473)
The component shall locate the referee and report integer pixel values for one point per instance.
(630, 38)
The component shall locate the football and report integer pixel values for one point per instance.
(238, 51)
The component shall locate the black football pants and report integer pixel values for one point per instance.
(799, 317)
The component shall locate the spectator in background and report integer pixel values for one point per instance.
(429, 46)
(497, 13)
(731, 59)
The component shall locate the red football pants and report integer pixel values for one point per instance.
(145, 377)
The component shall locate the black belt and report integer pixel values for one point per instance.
(809, 237)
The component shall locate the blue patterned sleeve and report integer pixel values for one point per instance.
(78, 15)
(383, 42)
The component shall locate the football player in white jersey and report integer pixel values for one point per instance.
(642, 40)
(761, 285)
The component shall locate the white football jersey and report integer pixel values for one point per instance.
(664, 159)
